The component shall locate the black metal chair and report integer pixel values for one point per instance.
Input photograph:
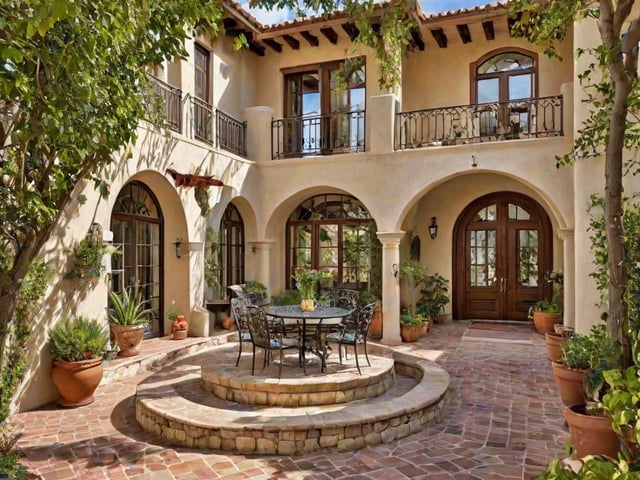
(353, 332)
(240, 312)
(268, 334)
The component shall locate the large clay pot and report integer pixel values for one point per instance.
(570, 384)
(409, 333)
(544, 321)
(76, 381)
(128, 337)
(554, 342)
(375, 329)
(591, 434)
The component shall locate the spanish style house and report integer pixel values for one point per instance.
(288, 154)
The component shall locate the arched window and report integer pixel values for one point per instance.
(335, 233)
(231, 251)
(502, 85)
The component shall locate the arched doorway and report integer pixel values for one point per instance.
(137, 225)
(502, 248)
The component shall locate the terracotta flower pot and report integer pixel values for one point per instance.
(128, 337)
(554, 342)
(544, 321)
(409, 333)
(570, 384)
(76, 381)
(180, 334)
(375, 329)
(591, 434)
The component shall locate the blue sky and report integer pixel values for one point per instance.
(277, 16)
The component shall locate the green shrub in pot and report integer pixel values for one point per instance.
(79, 338)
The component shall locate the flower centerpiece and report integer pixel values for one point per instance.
(179, 325)
(306, 282)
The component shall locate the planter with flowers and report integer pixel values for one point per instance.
(179, 325)
(306, 282)
(548, 313)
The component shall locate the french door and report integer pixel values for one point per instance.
(502, 249)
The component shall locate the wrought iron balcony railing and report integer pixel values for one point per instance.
(231, 134)
(484, 122)
(318, 135)
(165, 104)
(202, 120)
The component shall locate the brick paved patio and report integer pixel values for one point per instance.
(504, 421)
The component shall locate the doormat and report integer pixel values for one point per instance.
(498, 332)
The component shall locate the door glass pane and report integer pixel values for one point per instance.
(356, 254)
(486, 214)
(328, 248)
(516, 212)
(488, 90)
(300, 247)
(527, 258)
(482, 268)
(506, 62)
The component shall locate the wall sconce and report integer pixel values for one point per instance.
(394, 269)
(253, 249)
(474, 160)
(433, 228)
(178, 245)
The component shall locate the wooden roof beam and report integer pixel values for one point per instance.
(489, 33)
(351, 30)
(291, 41)
(330, 34)
(311, 38)
(465, 34)
(417, 38)
(440, 37)
(273, 44)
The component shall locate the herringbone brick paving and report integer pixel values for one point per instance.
(504, 422)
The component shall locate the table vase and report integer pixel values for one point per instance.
(306, 305)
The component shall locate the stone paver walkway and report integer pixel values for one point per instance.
(504, 422)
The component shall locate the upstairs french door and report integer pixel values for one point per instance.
(502, 250)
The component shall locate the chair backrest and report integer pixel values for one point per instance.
(363, 322)
(262, 334)
(240, 311)
(345, 298)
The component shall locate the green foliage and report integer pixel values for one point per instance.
(435, 295)
(286, 297)
(253, 287)
(80, 338)
(410, 319)
(128, 308)
(12, 359)
(594, 468)
(10, 456)
(211, 259)
(87, 256)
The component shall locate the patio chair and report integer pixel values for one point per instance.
(354, 332)
(240, 313)
(269, 335)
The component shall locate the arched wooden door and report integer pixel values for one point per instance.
(502, 248)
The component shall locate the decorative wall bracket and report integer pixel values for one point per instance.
(190, 180)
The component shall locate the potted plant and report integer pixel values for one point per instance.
(306, 281)
(410, 326)
(128, 317)
(256, 291)
(77, 346)
(591, 430)
(435, 295)
(179, 325)
(547, 313)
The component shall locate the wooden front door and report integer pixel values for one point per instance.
(502, 250)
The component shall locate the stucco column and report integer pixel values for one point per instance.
(262, 252)
(390, 287)
(381, 111)
(568, 285)
(258, 132)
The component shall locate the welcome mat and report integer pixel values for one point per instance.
(498, 332)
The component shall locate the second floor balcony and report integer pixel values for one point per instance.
(484, 122)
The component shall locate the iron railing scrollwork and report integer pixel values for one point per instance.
(164, 104)
(341, 132)
(484, 122)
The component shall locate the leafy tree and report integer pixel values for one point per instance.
(71, 77)
(610, 82)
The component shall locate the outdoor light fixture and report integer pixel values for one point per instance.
(474, 161)
(178, 245)
(433, 228)
(394, 269)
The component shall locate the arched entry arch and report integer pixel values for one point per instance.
(137, 224)
(502, 244)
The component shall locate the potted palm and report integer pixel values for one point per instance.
(77, 346)
(128, 316)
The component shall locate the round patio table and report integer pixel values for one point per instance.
(310, 326)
